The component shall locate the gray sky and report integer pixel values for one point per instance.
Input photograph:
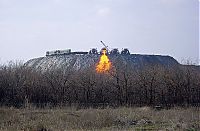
(28, 28)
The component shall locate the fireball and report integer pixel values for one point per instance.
(104, 64)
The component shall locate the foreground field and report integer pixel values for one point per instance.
(143, 119)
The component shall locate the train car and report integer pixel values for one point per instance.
(104, 49)
(93, 51)
(114, 51)
(125, 52)
(79, 52)
(63, 52)
(58, 52)
(50, 53)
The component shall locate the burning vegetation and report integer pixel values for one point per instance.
(104, 64)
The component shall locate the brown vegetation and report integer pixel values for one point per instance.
(123, 86)
(139, 119)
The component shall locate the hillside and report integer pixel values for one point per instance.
(79, 62)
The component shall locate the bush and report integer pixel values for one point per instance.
(123, 86)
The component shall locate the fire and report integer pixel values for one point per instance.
(104, 64)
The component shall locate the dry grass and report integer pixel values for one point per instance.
(143, 119)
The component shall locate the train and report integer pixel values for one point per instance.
(63, 52)
(58, 52)
(114, 51)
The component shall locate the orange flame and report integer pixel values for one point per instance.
(104, 63)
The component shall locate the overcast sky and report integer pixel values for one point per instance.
(28, 28)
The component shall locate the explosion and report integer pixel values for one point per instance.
(104, 64)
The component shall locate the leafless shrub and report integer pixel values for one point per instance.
(124, 85)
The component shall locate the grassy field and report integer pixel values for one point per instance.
(138, 119)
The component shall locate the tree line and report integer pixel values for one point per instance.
(123, 85)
